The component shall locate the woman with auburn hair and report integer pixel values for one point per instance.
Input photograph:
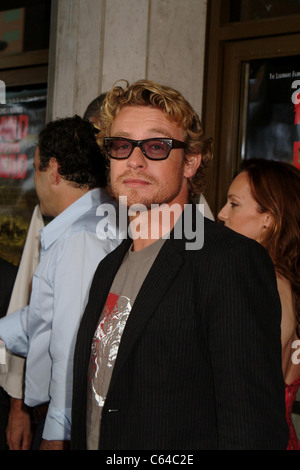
(263, 203)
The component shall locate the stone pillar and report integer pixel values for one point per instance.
(94, 43)
(75, 56)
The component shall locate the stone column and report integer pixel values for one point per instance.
(96, 42)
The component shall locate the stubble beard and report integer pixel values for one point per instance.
(159, 195)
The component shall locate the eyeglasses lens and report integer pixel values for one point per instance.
(119, 148)
(154, 149)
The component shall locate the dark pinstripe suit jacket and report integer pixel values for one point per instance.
(199, 364)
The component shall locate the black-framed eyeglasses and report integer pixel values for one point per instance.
(157, 148)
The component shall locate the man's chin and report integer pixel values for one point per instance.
(132, 197)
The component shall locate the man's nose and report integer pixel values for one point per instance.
(137, 159)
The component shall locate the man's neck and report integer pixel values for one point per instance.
(67, 198)
(150, 225)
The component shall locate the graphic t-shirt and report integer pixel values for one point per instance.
(108, 334)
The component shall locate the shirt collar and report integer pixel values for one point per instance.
(65, 219)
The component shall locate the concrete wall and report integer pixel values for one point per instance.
(96, 42)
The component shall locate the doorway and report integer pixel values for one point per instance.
(235, 49)
(239, 58)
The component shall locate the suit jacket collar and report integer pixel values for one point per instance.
(161, 275)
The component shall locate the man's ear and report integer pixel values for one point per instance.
(192, 163)
(54, 174)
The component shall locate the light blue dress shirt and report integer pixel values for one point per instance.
(45, 331)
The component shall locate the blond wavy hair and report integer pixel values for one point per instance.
(176, 109)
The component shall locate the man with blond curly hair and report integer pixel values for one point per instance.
(178, 341)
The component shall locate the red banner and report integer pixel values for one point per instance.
(21, 120)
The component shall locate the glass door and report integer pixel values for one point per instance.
(259, 112)
(270, 112)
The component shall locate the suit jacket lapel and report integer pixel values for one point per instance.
(100, 287)
(160, 276)
(165, 267)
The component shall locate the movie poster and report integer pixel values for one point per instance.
(21, 119)
(273, 120)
